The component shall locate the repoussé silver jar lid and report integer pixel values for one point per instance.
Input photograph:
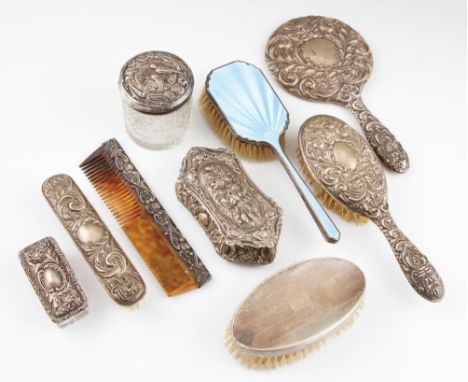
(155, 82)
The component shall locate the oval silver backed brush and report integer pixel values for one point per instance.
(344, 165)
(295, 310)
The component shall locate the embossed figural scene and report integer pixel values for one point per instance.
(240, 220)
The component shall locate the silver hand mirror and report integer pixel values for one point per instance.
(323, 59)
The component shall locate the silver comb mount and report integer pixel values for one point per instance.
(255, 114)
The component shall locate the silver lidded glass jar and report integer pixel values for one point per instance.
(156, 89)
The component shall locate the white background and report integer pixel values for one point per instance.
(58, 102)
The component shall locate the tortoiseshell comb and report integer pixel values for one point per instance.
(146, 223)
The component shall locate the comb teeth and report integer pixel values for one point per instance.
(116, 194)
(144, 220)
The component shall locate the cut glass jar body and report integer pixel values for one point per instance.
(156, 89)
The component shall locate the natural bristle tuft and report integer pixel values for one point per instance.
(326, 198)
(215, 119)
(267, 362)
(256, 362)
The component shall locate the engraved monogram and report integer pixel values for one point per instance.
(242, 223)
(53, 280)
(156, 82)
(323, 59)
(110, 264)
(344, 164)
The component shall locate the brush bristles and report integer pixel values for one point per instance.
(266, 362)
(326, 198)
(252, 151)
(258, 362)
(116, 194)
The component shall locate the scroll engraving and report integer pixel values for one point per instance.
(121, 162)
(323, 59)
(362, 194)
(53, 280)
(110, 264)
(384, 143)
(415, 266)
(301, 72)
(362, 188)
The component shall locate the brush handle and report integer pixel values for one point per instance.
(383, 142)
(420, 273)
(323, 221)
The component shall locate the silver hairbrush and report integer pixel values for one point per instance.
(241, 105)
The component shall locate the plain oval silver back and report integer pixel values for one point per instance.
(298, 307)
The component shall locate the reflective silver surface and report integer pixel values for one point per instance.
(108, 261)
(323, 59)
(254, 113)
(298, 307)
(53, 281)
(240, 220)
(344, 164)
(145, 221)
(156, 89)
(155, 82)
